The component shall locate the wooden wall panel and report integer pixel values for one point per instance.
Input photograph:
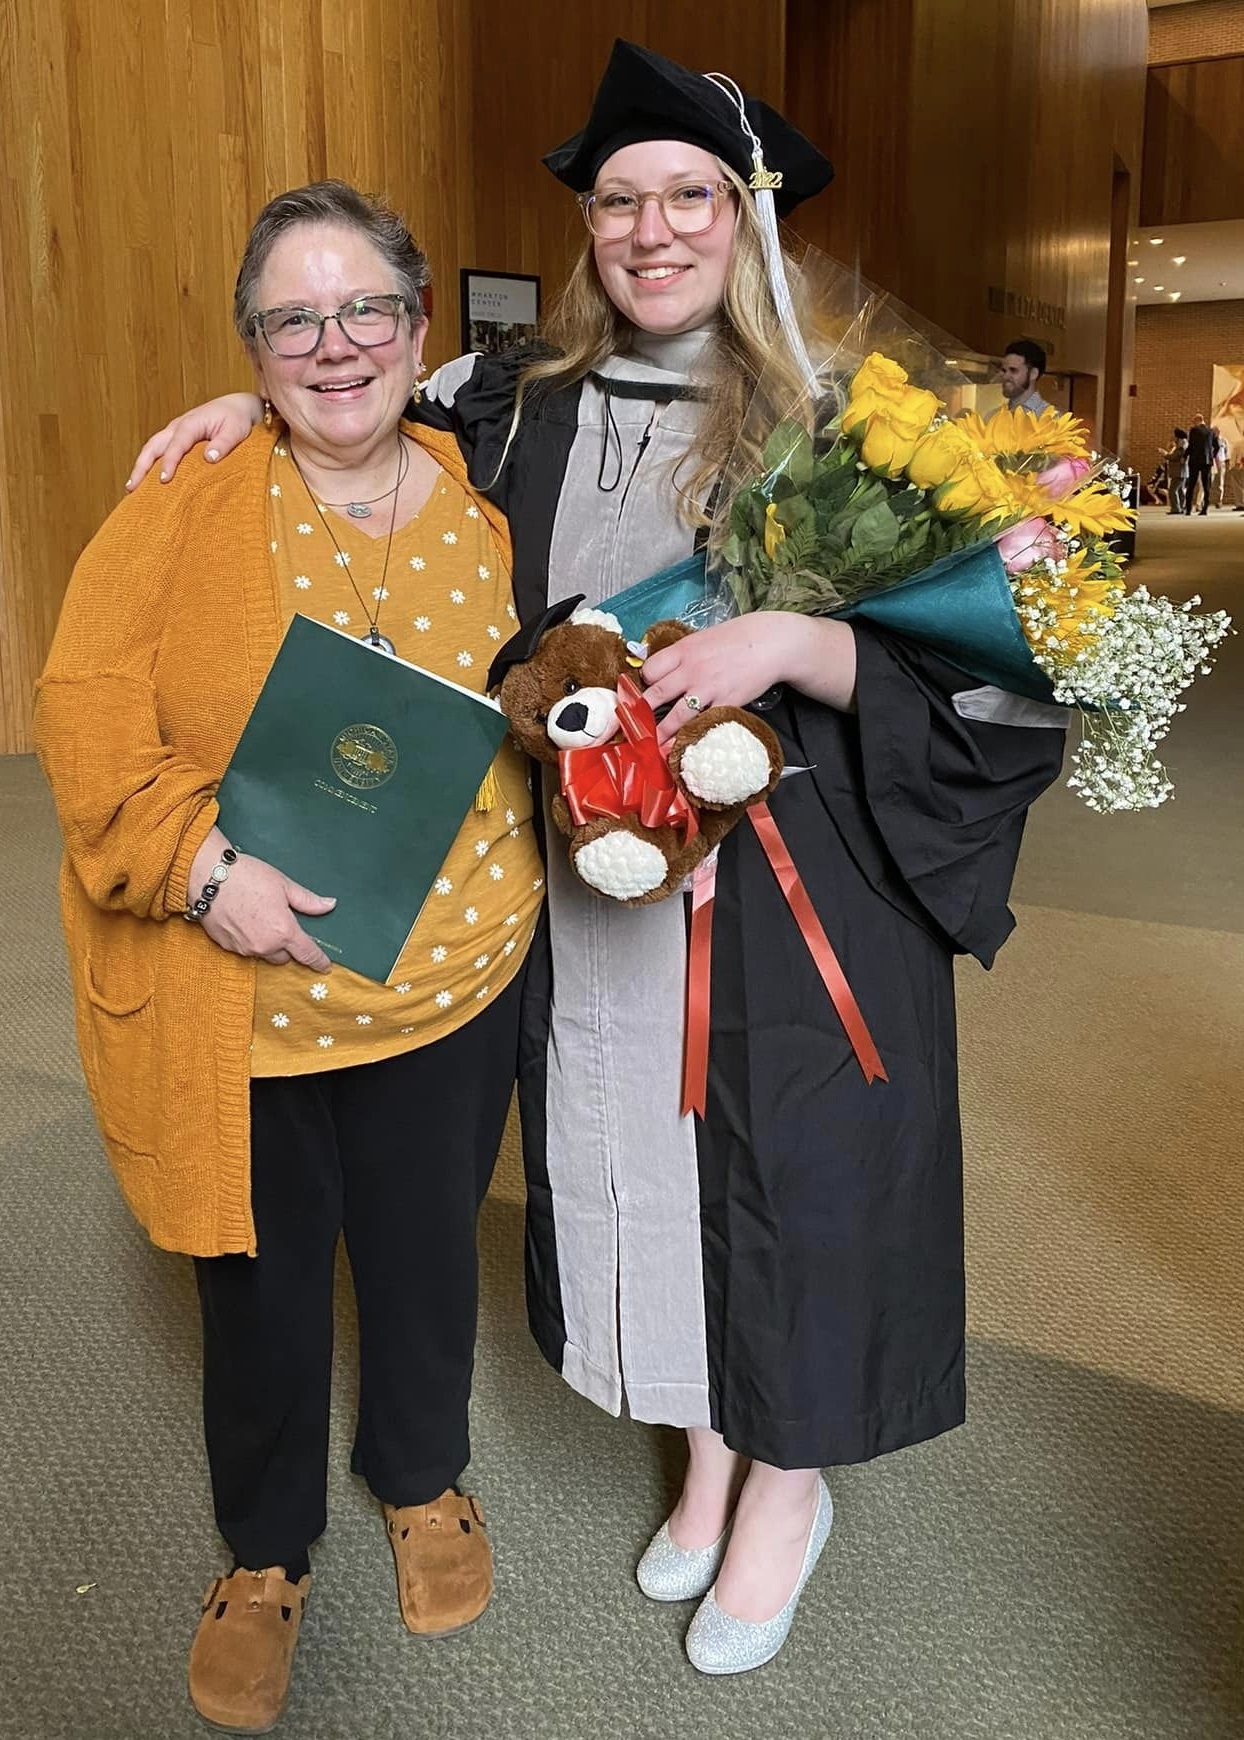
(975, 147)
(137, 142)
(1194, 143)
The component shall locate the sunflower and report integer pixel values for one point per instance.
(1093, 512)
(1061, 611)
(1019, 437)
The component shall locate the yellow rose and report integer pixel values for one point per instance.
(775, 531)
(879, 373)
(888, 442)
(937, 455)
(975, 489)
(910, 408)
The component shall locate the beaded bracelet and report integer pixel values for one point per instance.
(211, 887)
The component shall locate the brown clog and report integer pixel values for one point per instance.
(444, 1563)
(243, 1651)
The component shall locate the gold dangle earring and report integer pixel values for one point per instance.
(416, 391)
(269, 416)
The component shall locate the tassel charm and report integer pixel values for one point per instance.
(486, 796)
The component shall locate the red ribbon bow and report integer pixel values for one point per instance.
(626, 777)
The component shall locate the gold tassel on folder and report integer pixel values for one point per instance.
(486, 796)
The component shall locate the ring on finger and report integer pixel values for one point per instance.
(693, 702)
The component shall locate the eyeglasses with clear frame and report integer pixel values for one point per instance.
(365, 321)
(689, 209)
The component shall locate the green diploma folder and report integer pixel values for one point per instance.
(353, 776)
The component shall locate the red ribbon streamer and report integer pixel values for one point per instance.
(699, 958)
(631, 777)
(699, 985)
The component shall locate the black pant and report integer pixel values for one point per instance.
(1201, 474)
(398, 1155)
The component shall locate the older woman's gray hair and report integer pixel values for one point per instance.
(330, 202)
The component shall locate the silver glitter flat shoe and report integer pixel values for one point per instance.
(717, 1643)
(668, 1572)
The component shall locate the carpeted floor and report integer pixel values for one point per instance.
(1068, 1567)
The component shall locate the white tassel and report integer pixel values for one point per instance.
(763, 182)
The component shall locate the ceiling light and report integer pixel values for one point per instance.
(1158, 287)
(1179, 259)
(1156, 241)
(1173, 295)
(1137, 280)
(1133, 262)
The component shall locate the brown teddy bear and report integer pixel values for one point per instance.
(639, 818)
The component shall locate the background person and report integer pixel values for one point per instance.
(253, 1104)
(1023, 364)
(1177, 469)
(1202, 447)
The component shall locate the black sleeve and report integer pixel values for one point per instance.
(480, 416)
(949, 796)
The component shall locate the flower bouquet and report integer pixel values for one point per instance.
(876, 494)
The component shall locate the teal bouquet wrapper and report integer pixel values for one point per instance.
(960, 606)
(684, 590)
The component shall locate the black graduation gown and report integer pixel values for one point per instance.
(831, 1226)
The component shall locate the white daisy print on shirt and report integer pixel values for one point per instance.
(418, 564)
(496, 872)
(302, 581)
(380, 593)
(465, 660)
(511, 613)
(512, 919)
(319, 990)
(472, 512)
(449, 537)
(439, 954)
(274, 546)
(538, 883)
(423, 623)
(456, 597)
(342, 558)
(443, 885)
(481, 848)
(275, 490)
(363, 1020)
(494, 633)
(303, 528)
(403, 988)
(510, 946)
(444, 999)
(481, 961)
(471, 915)
(341, 617)
(483, 572)
(480, 995)
(325, 1040)
(510, 818)
(280, 1019)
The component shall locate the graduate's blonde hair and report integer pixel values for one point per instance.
(584, 328)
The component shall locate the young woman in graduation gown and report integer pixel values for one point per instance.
(782, 1277)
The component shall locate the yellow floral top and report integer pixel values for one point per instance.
(446, 604)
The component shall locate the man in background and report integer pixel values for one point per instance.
(1023, 364)
(1202, 447)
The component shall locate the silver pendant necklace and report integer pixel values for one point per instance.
(373, 638)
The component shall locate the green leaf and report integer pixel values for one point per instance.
(875, 532)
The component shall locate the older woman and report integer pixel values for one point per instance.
(254, 1104)
(783, 1277)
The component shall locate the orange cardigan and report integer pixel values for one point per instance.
(169, 626)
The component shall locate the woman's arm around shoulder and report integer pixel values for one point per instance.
(223, 423)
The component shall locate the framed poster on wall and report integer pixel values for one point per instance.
(499, 309)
